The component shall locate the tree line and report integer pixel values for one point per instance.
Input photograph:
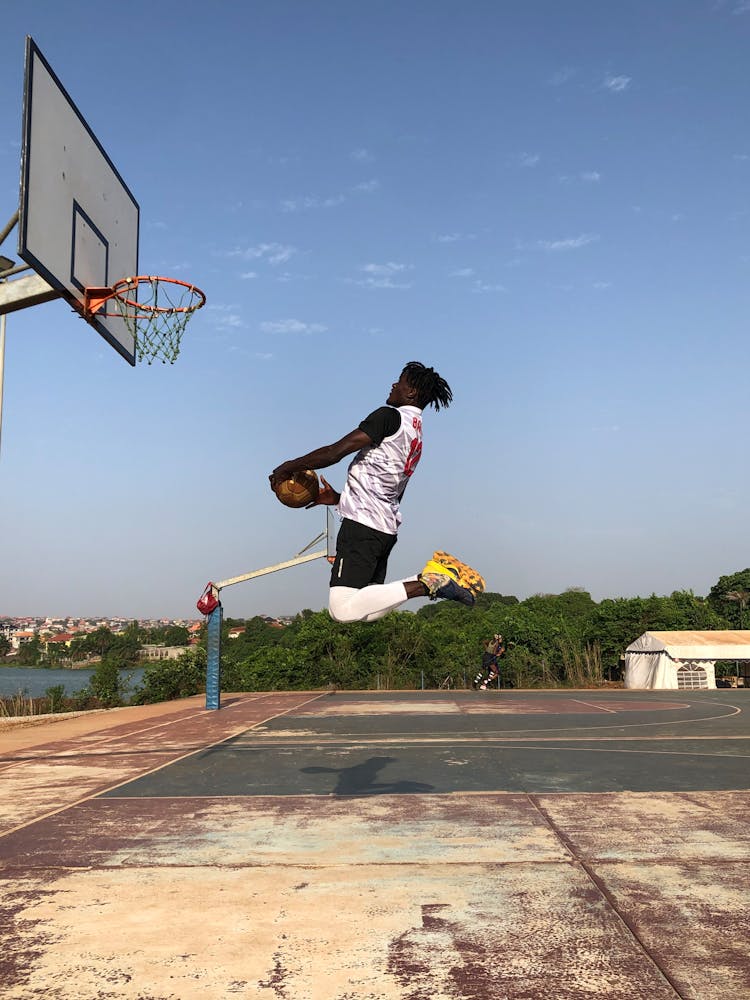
(552, 640)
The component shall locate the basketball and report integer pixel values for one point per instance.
(299, 490)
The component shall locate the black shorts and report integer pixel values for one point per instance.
(361, 555)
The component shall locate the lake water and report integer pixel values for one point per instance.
(34, 682)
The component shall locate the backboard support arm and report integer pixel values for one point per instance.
(215, 616)
(5, 233)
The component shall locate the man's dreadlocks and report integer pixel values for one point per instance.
(432, 390)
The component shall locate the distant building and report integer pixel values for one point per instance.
(154, 652)
(62, 639)
(18, 639)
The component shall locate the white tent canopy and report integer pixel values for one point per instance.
(682, 660)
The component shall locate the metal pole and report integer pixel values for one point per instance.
(9, 227)
(213, 635)
(297, 561)
(2, 370)
(213, 664)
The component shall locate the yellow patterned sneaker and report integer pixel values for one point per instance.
(464, 575)
(433, 567)
(441, 581)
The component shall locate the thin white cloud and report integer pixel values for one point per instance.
(291, 326)
(462, 272)
(361, 155)
(529, 159)
(572, 243)
(741, 156)
(585, 177)
(387, 269)
(368, 187)
(225, 317)
(273, 253)
(383, 283)
(485, 286)
(177, 268)
(384, 275)
(249, 275)
(562, 76)
(743, 7)
(617, 83)
(606, 428)
(454, 237)
(601, 285)
(311, 202)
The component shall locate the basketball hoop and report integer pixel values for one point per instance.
(155, 311)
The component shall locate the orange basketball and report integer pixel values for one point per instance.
(299, 490)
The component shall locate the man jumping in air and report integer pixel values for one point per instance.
(388, 443)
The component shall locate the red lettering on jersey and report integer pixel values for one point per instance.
(412, 459)
(417, 424)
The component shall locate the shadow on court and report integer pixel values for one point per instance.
(360, 779)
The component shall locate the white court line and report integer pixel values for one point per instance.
(517, 734)
(359, 743)
(589, 704)
(736, 710)
(103, 791)
(91, 741)
(90, 745)
(663, 753)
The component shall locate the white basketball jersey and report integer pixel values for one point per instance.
(378, 475)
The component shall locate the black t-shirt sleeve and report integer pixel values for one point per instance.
(381, 423)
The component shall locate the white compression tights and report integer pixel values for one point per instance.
(347, 604)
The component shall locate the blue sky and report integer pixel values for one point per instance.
(547, 202)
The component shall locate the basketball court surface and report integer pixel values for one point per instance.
(358, 846)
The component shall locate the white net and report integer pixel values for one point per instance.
(156, 312)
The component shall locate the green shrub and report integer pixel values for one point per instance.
(166, 680)
(106, 684)
(55, 697)
(83, 700)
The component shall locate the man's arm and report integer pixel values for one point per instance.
(323, 457)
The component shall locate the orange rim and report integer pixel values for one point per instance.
(122, 290)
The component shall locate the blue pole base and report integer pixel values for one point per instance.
(213, 666)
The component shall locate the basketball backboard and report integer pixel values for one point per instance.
(78, 222)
